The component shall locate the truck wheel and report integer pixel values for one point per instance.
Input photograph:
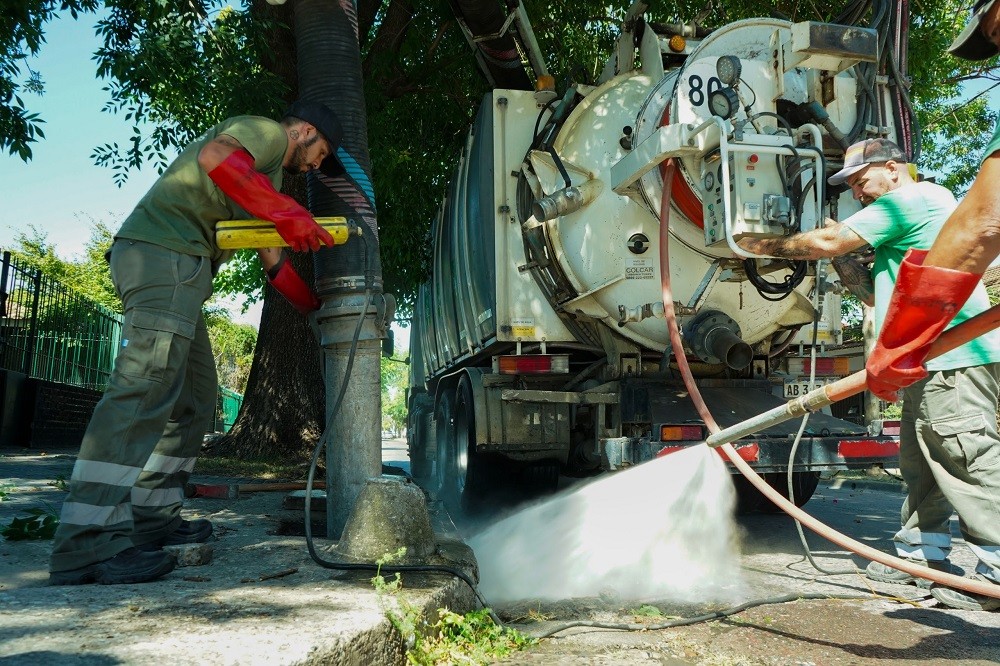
(419, 438)
(444, 435)
(803, 486)
(749, 499)
(540, 478)
(475, 474)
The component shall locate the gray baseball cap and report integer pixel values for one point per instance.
(863, 153)
(325, 121)
(972, 44)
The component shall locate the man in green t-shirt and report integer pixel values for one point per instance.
(144, 437)
(931, 289)
(947, 417)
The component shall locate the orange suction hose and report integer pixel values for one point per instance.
(836, 391)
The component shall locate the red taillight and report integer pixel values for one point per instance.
(890, 427)
(839, 366)
(535, 364)
(680, 433)
(867, 448)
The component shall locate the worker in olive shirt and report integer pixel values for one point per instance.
(142, 442)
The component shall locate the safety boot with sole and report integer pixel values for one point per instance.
(129, 566)
(886, 574)
(189, 531)
(963, 600)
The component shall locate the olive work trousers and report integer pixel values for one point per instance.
(146, 432)
(949, 456)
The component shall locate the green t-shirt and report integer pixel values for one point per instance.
(911, 217)
(180, 210)
(994, 144)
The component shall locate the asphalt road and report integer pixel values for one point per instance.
(891, 624)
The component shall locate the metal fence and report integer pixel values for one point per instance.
(49, 332)
(52, 333)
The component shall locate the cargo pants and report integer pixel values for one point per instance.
(949, 456)
(146, 432)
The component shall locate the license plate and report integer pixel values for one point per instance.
(796, 389)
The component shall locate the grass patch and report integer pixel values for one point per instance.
(254, 469)
(472, 638)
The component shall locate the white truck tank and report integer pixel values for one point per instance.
(541, 335)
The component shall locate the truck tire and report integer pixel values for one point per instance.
(540, 478)
(470, 477)
(444, 435)
(749, 499)
(803, 486)
(420, 438)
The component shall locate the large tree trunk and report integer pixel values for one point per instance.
(282, 413)
(284, 404)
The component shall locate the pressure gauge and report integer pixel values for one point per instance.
(728, 68)
(724, 103)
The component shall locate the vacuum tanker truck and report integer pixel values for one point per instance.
(540, 346)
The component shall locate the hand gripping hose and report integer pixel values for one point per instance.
(810, 402)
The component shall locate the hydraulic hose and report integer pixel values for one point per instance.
(843, 388)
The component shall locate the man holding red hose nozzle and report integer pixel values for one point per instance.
(145, 434)
(929, 292)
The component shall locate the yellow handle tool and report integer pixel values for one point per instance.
(243, 234)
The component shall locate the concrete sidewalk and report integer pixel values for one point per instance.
(261, 600)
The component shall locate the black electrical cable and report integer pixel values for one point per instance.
(781, 289)
(707, 617)
(538, 121)
(771, 114)
(798, 439)
(356, 566)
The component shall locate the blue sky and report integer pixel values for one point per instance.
(60, 190)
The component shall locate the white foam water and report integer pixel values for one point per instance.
(661, 530)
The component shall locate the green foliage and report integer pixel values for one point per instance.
(893, 410)
(180, 67)
(22, 35)
(394, 382)
(37, 525)
(647, 611)
(472, 638)
(5, 491)
(851, 317)
(233, 345)
(242, 275)
(175, 67)
(89, 275)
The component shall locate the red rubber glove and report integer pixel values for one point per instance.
(924, 302)
(254, 192)
(289, 284)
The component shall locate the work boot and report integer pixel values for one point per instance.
(963, 600)
(189, 531)
(886, 574)
(129, 566)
